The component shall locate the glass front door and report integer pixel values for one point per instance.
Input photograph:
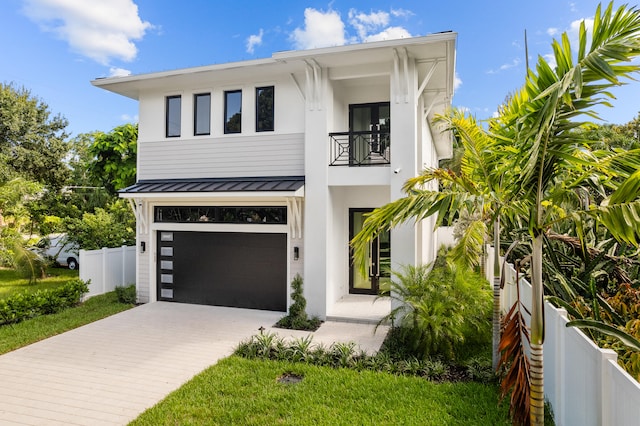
(378, 275)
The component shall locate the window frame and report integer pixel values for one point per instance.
(196, 96)
(226, 109)
(167, 113)
(273, 109)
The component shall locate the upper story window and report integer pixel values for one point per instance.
(264, 109)
(233, 111)
(173, 116)
(202, 114)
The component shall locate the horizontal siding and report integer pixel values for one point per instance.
(232, 156)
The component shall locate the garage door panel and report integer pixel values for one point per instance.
(246, 270)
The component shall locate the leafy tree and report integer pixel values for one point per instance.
(115, 153)
(32, 142)
(113, 226)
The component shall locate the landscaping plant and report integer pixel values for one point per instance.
(440, 309)
(21, 306)
(127, 294)
(297, 319)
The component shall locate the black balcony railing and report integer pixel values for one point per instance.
(359, 149)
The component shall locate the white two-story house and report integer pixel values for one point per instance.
(252, 172)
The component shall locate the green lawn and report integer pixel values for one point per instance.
(35, 329)
(241, 391)
(11, 283)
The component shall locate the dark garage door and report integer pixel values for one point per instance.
(243, 270)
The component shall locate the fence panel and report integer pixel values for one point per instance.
(108, 268)
(584, 383)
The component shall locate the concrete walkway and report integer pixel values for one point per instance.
(110, 371)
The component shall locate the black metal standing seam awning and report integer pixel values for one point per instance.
(247, 184)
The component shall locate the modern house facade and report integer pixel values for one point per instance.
(252, 172)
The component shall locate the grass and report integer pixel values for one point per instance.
(11, 283)
(30, 331)
(241, 391)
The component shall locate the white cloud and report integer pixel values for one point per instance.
(574, 30)
(457, 81)
(511, 64)
(552, 31)
(254, 40)
(118, 72)
(390, 33)
(100, 30)
(366, 23)
(401, 13)
(321, 29)
(551, 59)
(506, 66)
(129, 118)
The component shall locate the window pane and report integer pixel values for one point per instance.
(218, 214)
(202, 114)
(264, 109)
(173, 116)
(233, 111)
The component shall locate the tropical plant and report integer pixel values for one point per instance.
(536, 130)
(539, 119)
(440, 308)
(477, 193)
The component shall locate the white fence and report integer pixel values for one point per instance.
(584, 384)
(108, 268)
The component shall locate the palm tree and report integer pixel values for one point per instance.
(481, 188)
(541, 119)
(536, 126)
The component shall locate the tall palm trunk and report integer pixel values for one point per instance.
(537, 335)
(496, 294)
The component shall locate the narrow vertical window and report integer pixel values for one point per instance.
(202, 114)
(173, 116)
(233, 111)
(264, 109)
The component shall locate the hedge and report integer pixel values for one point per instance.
(22, 306)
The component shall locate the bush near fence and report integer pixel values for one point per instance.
(22, 306)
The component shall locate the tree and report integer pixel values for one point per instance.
(537, 125)
(479, 191)
(540, 119)
(113, 226)
(115, 153)
(32, 143)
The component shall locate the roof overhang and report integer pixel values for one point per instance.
(247, 187)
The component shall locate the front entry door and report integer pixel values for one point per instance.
(378, 274)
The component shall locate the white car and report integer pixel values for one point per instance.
(56, 247)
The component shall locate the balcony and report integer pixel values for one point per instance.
(355, 149)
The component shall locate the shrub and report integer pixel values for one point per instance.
(441, 310)
(344, 355)
(22, 306)
(127, 294)
(297, 318)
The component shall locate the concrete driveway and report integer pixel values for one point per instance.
(110, 371)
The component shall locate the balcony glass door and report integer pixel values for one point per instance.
(369, 126)
(377, 278)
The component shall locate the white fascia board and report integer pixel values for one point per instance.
(400, 42)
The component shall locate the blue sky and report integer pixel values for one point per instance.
(56, 47)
